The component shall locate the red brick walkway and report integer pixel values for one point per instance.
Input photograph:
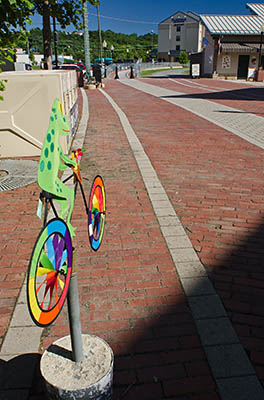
(244, 97)
(129, 292)
(19, 228)
(215, 183)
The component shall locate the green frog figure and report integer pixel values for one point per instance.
(52, 160)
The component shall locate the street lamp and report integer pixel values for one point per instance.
(86, 42)
(112, 51)
(104, 46)
(260, 47)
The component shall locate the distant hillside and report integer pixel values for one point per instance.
(123, 46)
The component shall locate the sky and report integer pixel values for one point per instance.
(142, 16)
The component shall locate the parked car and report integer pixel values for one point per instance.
(70, 67)
(81, 65)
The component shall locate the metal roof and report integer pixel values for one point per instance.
(233, 24)
(238, 48)
(257, 9)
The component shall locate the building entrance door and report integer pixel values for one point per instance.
(242, 70)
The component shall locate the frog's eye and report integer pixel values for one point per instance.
(60, 107)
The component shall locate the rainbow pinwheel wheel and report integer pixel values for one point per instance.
(50, 272)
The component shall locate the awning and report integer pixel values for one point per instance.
(241, 48)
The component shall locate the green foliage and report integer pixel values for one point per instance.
(94, 2)
(183, 59)
(14, 14)
(72, 44)
(2, 87)
(66, 11)
(31, 56)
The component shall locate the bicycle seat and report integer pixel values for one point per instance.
(48, 195)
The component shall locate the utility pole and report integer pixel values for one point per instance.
(86, 42)
(55, 38)
(99, 32)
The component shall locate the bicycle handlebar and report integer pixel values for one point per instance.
(77, 155)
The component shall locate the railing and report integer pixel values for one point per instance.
(138, 67)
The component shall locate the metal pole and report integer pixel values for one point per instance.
(260, 48)
(86, 42)
(100, 34)
(116, 72)
(55, 42)
(74, 316)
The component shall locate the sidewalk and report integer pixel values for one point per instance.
(130, 293)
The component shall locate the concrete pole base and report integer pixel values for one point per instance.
(90, 379)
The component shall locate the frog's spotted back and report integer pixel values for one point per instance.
(51, 150)
(52, 160)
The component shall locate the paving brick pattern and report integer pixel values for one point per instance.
(237, 95)
(19, 228)
(215, 183)
(129, 292)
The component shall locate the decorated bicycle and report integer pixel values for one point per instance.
(50, 266)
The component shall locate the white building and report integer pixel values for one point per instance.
(237, 41)
(224, 45)
(181, 31)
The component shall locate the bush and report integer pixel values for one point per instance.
(183, 59)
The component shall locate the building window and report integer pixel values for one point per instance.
(178, 38)
(178, 48)
(178, 28)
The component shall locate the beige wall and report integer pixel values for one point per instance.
(25, 111)
(230, 69)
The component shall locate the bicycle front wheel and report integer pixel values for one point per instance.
(96, 214)
(49, 272)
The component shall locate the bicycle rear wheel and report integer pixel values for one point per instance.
(96, 214)
(49, 272)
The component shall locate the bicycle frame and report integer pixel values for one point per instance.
(49, 197)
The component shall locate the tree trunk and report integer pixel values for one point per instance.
(47, 35)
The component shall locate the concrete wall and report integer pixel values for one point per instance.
(25, 111)
(227, 63)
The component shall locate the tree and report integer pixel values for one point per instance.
(183, 59)
(65, 11)
(14, 14)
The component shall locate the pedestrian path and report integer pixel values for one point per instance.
(133, 292)
(227, 358)
(231, 119)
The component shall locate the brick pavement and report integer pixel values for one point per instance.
(237, 95)
(18, 227)
(129, 292)
(215, 183)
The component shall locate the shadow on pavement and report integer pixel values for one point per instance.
(18, 377)
(168, 357)
(161, 356)
(251, 94)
